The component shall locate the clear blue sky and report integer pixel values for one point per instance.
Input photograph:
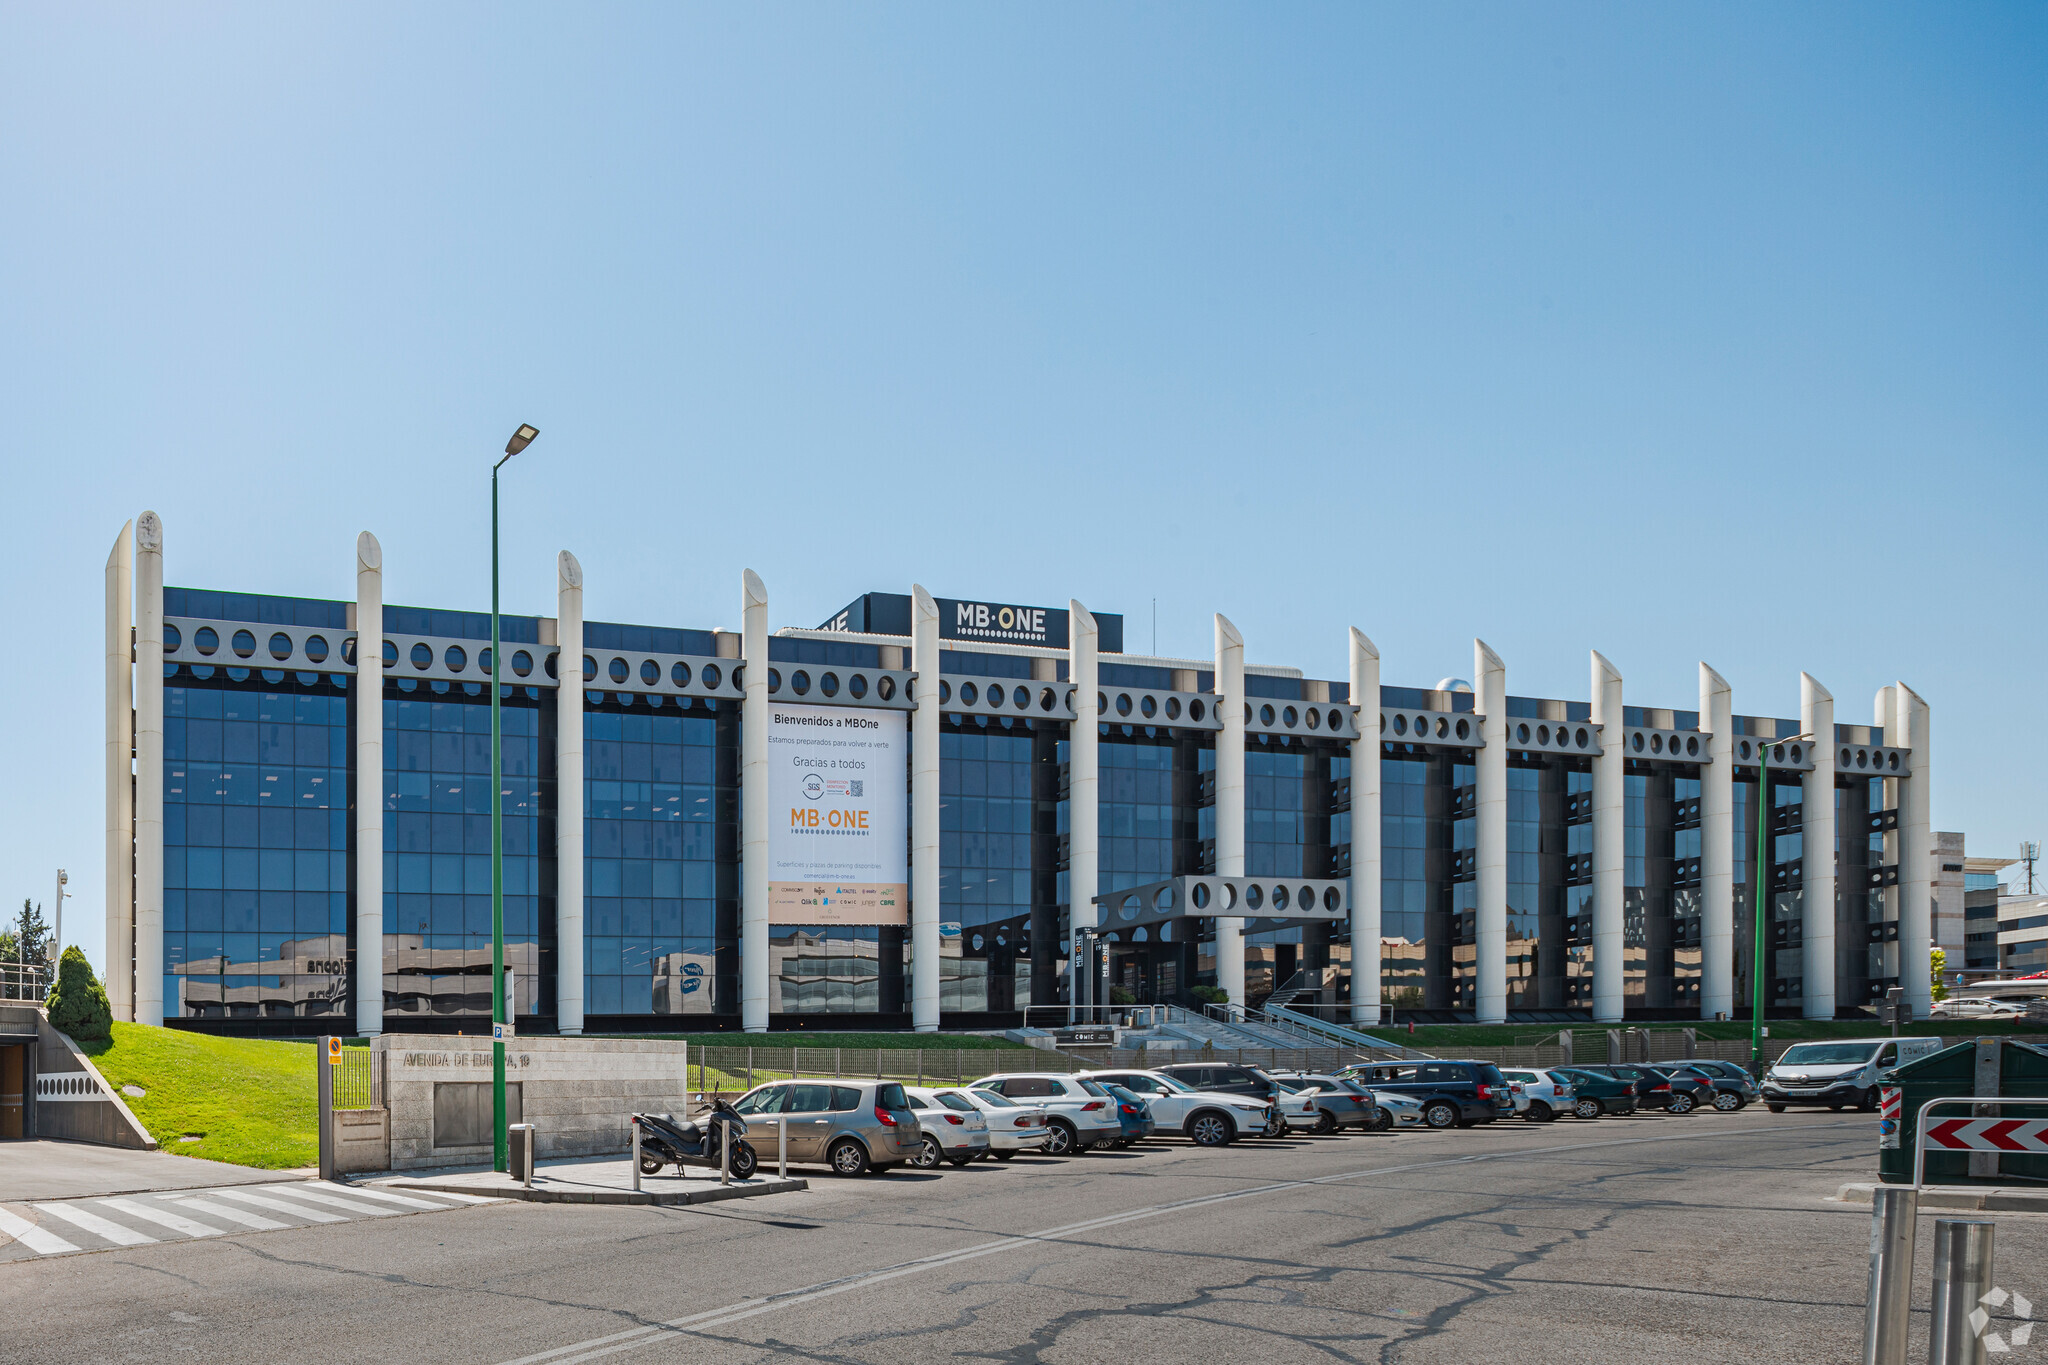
(1676, 332)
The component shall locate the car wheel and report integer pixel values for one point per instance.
(1440, 1114)
(1060, 1138)
(848, 1157)
(1775, 1108)
(1587, 1109)
(1276, 1126)
(1326, 1124)
(928, 1155)
(1681, 1103)
(1869, 1101)
(1538, 1112)
(650, 1165)
(1727, 1101)
(1382, 1119)
(1210, 1129)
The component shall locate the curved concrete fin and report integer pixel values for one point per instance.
(568, 573)
(1603, 670)
(1710, 681)
(369, 554)
(121, 553)
(1906, 691)
(1080, 619)
(753, 592)
(1362, 642)
(1483, 658)
(1811, 691)
(1226, 633)
(922, 605)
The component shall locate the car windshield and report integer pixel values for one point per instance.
(995, 1101)
(1091, 1087)
(1178, 1087)
(957, 1103)
(1829, 1054)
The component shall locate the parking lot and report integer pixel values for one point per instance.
(1703, 1237)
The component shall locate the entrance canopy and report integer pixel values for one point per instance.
(1265, 903)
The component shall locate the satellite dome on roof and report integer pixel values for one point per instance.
(1453, 685)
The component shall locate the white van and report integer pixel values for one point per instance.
(1839, 1073)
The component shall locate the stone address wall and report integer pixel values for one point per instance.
(576, 1092)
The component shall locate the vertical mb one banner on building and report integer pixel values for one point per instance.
(838, 835)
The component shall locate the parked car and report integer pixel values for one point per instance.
(1340, 1104)
(954, 1130)
(1595, 1093)
(852, 1126)
(1540, 1096)
(1978, 1007)
(1838, 1074)
(1079, 1114)
(1205, 1117)
(1734, 1088)
(1013, 1125)
(1453, 1094)
(1238, 1080)
(1398, 1111)
(1132, 1113)
(1657, 1087)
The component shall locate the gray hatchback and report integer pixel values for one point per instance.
(852, 1126)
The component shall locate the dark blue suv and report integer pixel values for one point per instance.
(1453, 1094)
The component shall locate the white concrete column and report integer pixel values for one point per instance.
(926, 909)
(1916, 850)
(369, 811)
(1490, 678)
(149, 769)
(1610, 837)
(1365, 832)
(1084, 746)
(569, 794)
(1717, 847)
(1235, 709)
(753, 805)
(119, 966)
(1817, 844)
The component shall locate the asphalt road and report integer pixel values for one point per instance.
(1696, 1239)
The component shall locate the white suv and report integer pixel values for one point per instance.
(1078, 1112)
(1540, 1096)
(1208, 1118)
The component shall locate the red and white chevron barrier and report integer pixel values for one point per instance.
(1988, 1135)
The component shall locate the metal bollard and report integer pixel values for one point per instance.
(725, 1141)
(1962, 1276)
(634, 1123)
(782, 1146)
(1893, 1211)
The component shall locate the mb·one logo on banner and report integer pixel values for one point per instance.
(1023, 622)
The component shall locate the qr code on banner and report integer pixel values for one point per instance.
(855, 786)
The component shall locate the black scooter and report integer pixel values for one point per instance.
(663, 1141)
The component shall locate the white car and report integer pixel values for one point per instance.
(1079, 1114)
(1296, 1108)
(1013, 1125)
(1208, 1118)
(954, 1129)
(1978, 1007)
(1540, 1096)
(1398, 1110)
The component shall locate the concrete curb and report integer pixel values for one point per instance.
(712, 1195)
(1989, 1199)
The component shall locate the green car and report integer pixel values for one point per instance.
(1598, 1094)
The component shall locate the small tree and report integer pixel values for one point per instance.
(78, 1003)
(31, 936)
(1938, 963)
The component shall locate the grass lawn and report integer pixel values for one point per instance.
(250, 1100)
(1440, 1037)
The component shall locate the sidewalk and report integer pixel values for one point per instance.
(40, 1168)
(1981, 1199)
(594, 1180)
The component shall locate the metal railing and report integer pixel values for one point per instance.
(358, 1081)
(19, 981)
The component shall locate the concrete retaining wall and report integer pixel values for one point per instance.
(576, 1092)
(67, 1098)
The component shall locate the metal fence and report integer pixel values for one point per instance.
(358, 1083)
(19, 982)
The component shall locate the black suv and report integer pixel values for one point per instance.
(1452, 1094)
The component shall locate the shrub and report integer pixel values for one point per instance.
(78, 1003)
(1212, 995)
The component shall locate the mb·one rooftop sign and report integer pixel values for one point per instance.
(1000, 623)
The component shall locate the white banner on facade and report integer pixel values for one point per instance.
(838, 839)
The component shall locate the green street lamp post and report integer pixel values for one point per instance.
(1760, 877)
(501, 1014)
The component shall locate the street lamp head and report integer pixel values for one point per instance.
(521, 439)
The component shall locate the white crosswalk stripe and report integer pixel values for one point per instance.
(174, 1216)
(96, 1225)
